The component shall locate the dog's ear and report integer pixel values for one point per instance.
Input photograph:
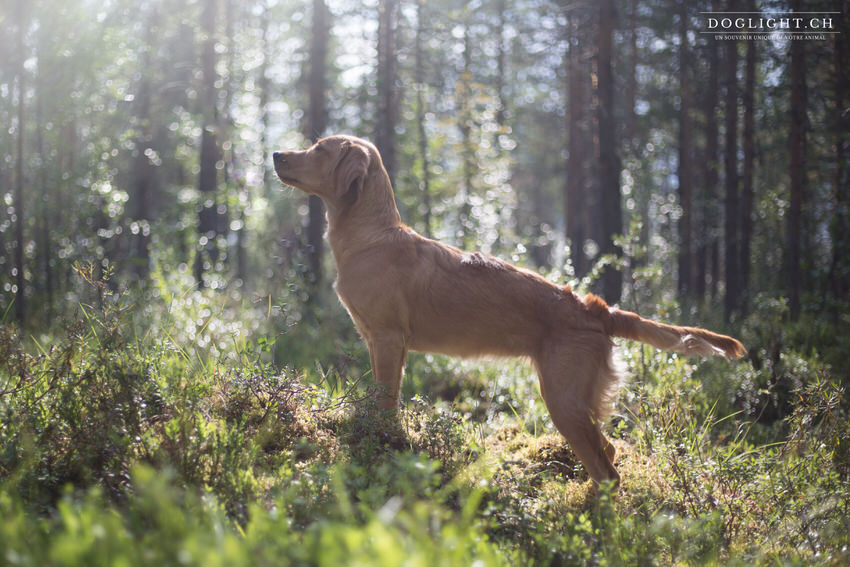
(351, 173)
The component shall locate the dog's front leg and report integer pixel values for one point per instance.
(387, 353)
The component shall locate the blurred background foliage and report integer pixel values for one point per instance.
(138, 140)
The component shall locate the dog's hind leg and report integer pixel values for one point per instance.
(574, 378)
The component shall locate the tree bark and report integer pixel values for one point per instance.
(387, 89)
(748, 180)
(208, 176)
(839, 273)
(233, 207)
(708, 246)
(425, 185)
(575, 186)
(317, 123)
(45, 247)
(263, 88)
(730, 156)
(20, 281)
(685, 160)
(465, 126)
(609, 163)
(501, 56)
(141, 206)
(797, 140)
(631, 115)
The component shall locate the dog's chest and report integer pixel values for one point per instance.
(372, 299)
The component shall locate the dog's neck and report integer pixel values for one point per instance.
(359, 225)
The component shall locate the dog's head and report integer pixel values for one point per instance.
(334, 168)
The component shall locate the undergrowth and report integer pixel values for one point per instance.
(125, 444)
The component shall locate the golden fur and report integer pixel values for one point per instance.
(406, 292)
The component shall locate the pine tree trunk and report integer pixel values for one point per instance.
(467, 151)
(609, 163)
(317, 123)
(142, 199)
(631, 115)
(420, 119)
(748, 180)
(796, 171)
(731, 256)
(708, 247)
(387, 90)
(208, 176)
(839, 273)
(501, 56)
(263, 88)
(234, 188)
(685, 162)
(18, 261)
(45, 247)
(575, 186)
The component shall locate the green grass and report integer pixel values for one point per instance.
(182, 439)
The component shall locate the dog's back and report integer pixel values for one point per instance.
(458, 303)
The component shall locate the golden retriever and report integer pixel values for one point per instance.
(406, 292)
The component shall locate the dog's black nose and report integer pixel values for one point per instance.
(276, 156)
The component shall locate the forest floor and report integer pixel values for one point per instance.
(127, 447)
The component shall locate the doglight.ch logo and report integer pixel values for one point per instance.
(770, 25)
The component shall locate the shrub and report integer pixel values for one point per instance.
(138, 451)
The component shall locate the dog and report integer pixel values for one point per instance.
(406, 292)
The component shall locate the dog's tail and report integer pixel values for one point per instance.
(690, 341)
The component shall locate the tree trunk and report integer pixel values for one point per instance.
(797, 168)
(708, 247)
(609, 163)
(20, 281)
(501, 54)
(467, 151)
(235, 198)
(142, 200)
(685, 162)
(48, 204)
(839, 273)
(730, 156)
(387, 89)
(70, 142)
(263, 88)
(748, 181)
(575, 186)
(208, 176)
(631, 115)
(420, 119)
(317, 123)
